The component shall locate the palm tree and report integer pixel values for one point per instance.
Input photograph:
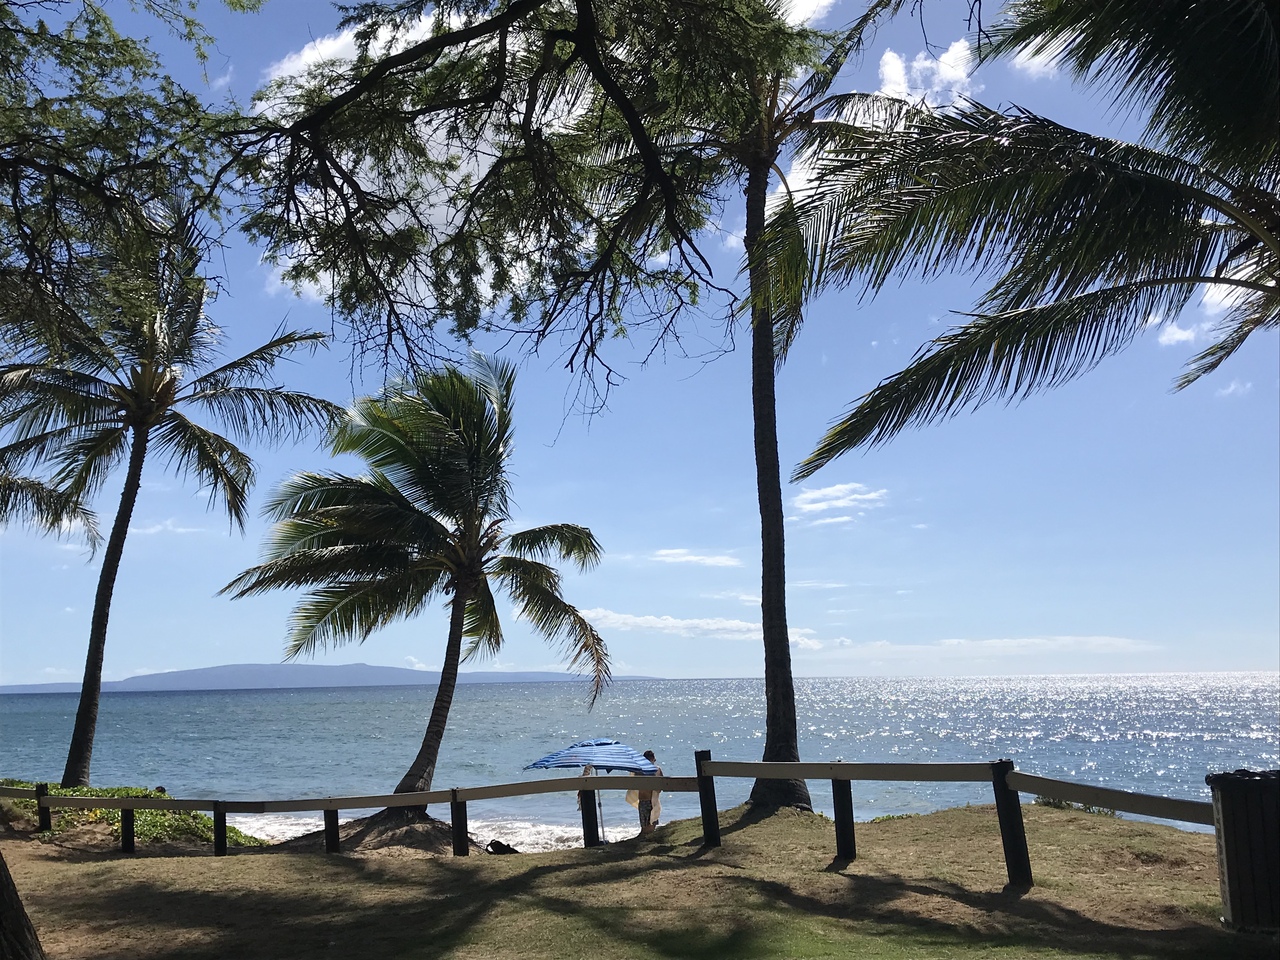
(1094, 240)
(428, 519)
(117, 375)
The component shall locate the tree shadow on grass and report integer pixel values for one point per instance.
(660, 900)
(1011, 920)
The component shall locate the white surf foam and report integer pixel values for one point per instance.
(525, 836)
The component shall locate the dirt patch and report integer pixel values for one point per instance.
(396, 833)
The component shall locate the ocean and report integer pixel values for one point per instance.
(1155, 733)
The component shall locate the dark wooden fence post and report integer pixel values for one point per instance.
(43, 813)
(458, 818)
(842, 794)
(219, 828)
(1013, 834)
(126, 829)
(331, 831)
(590, 822)
(707, 800)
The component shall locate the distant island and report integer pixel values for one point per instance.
(284, 676)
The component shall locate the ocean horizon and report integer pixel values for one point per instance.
(1150, 733)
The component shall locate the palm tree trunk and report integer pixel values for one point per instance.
(423, 769)
(76, 773)
(18, 939)
(781, 741)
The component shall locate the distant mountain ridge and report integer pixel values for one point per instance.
(286, 676)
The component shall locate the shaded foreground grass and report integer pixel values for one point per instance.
(922, 887)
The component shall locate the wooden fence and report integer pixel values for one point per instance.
(1006, 783)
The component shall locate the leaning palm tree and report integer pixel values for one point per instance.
(115, 376)
(428, 520)
(1092, 240)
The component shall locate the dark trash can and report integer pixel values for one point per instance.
(1246, 818)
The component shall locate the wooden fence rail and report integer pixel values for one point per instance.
(1144, 804)
(1005, 781)
(1006, 784)
(456, 797)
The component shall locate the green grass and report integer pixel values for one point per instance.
(150, 826)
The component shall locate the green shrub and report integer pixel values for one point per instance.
(149, 826)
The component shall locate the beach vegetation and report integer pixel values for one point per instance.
(111, 377)
(1092, 241)
(149, 826)
(429, 520)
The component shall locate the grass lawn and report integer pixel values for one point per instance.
(922, 887)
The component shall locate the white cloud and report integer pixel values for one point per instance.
(716, 627)
(1037, 66)
(1171, 334)
(703, 560)
(416, 664)
(815, 585)
(893, 76)
(750, 599)
(168, 526)
(936, 80)
(1235, 389)
(807, 11)
(919, 526)
(840, 496)
(1218, 298)
(222, 82)
(822, 521)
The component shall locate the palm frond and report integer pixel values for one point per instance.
(266, 414)
(565, 541)
(87, 457)
(1208, 74)
(1258, 311)
(215, 461)
(1009, 355)
(340, 613)
(260, 363)
(535, 589)
(1054, 209)
(481, 624)
(32, 501)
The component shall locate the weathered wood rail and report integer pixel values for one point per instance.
(1006, 783)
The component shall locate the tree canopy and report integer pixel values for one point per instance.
(1091, 240)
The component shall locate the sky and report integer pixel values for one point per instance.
(1109, 526)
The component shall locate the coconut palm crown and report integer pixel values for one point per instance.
(428, 520)
(115, 377)
(1090, 240)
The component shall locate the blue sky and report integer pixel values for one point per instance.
(1108, 526)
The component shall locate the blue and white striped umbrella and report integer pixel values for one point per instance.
(607, 755)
